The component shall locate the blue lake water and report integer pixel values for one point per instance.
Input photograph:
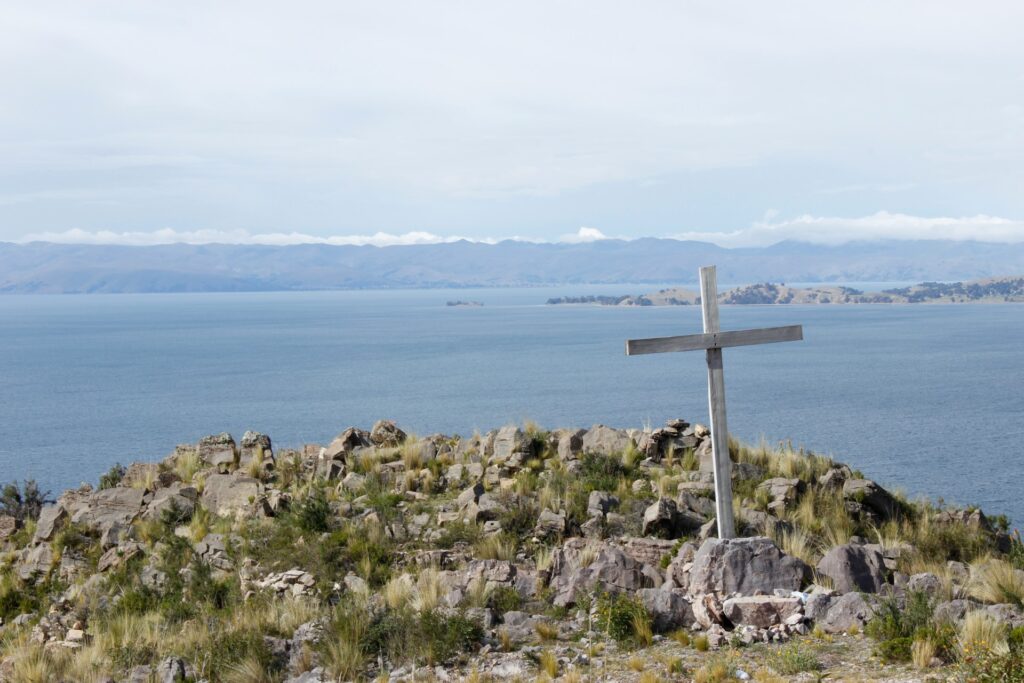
(929, 399)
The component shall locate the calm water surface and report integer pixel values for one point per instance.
(926, 398)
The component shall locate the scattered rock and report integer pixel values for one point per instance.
(854, 567)
(761, 611)
(219, 451)
(605, 440)
(669, 608)
(845, 613)
(744, 565)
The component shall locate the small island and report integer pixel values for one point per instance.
(516, 554)
(465, 304)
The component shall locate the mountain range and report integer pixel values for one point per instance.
(42, 267)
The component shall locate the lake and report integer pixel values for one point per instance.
(929, 399)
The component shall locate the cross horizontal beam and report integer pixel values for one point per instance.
(714, 340)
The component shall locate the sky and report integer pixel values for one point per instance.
(741, 123)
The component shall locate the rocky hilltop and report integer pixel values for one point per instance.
(519, 554)
(992, 290)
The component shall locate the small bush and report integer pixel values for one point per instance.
(623, 617)
(793, 658)
(894, 627)
(458, 532)
(23, 502)
(505, 599)
(113, 476)
(314, 515)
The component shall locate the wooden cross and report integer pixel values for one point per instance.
(713, 341)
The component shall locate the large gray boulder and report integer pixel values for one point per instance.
(228, 495)
(255, 445)
(386, 434)
(669, 608)
(872, 496)
(744, 565)
(177, 498)
(578, 570)
(51, 518)
(854, 568)
(664, 519)
(219, 451)
(346, 442)
(108, 507)
(850, 611)
(35, 561)
(605, 440)
(510, 444)
(570, 443)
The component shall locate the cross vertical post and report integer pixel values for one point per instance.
(716, 406)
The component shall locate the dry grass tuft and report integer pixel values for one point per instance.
(981, 633)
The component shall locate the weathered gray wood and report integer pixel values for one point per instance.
(720, 445)
(716, 406)
(714, 340)
(709, 298)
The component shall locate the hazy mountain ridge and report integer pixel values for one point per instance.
(60, 268)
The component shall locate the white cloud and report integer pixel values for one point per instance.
(584, 234)
(378, 239)
(169, 236)
(878, 226)
(826, 230)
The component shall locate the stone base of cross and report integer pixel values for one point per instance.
(712, 342)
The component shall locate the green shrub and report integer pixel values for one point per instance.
(620, 615)
(895, 628)
(600, 472)
(458, 532)
(427, 637)
(314, 514)
(988, 667)
(113, 476)
(793, 658)
(519, 516)
(505, 599)
(23, 502)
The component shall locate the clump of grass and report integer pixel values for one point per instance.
(796, 542)
(547, 633)
(681, 636)
(636, 663)
(496, 547)
(643, 629)
(548, 663)
(793, 658)
(397, 591)
(186, 464)
(428, 590)
(980, 634)
(997, 582)
(922, 652)
(701, 644)
(718, 670)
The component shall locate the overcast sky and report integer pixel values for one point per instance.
(389, 122)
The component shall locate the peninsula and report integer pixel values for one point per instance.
(519, 554)
(990, 290)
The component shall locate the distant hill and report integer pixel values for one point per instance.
(991, 290)
(61, 268)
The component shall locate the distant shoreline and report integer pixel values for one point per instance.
(1008, 289)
